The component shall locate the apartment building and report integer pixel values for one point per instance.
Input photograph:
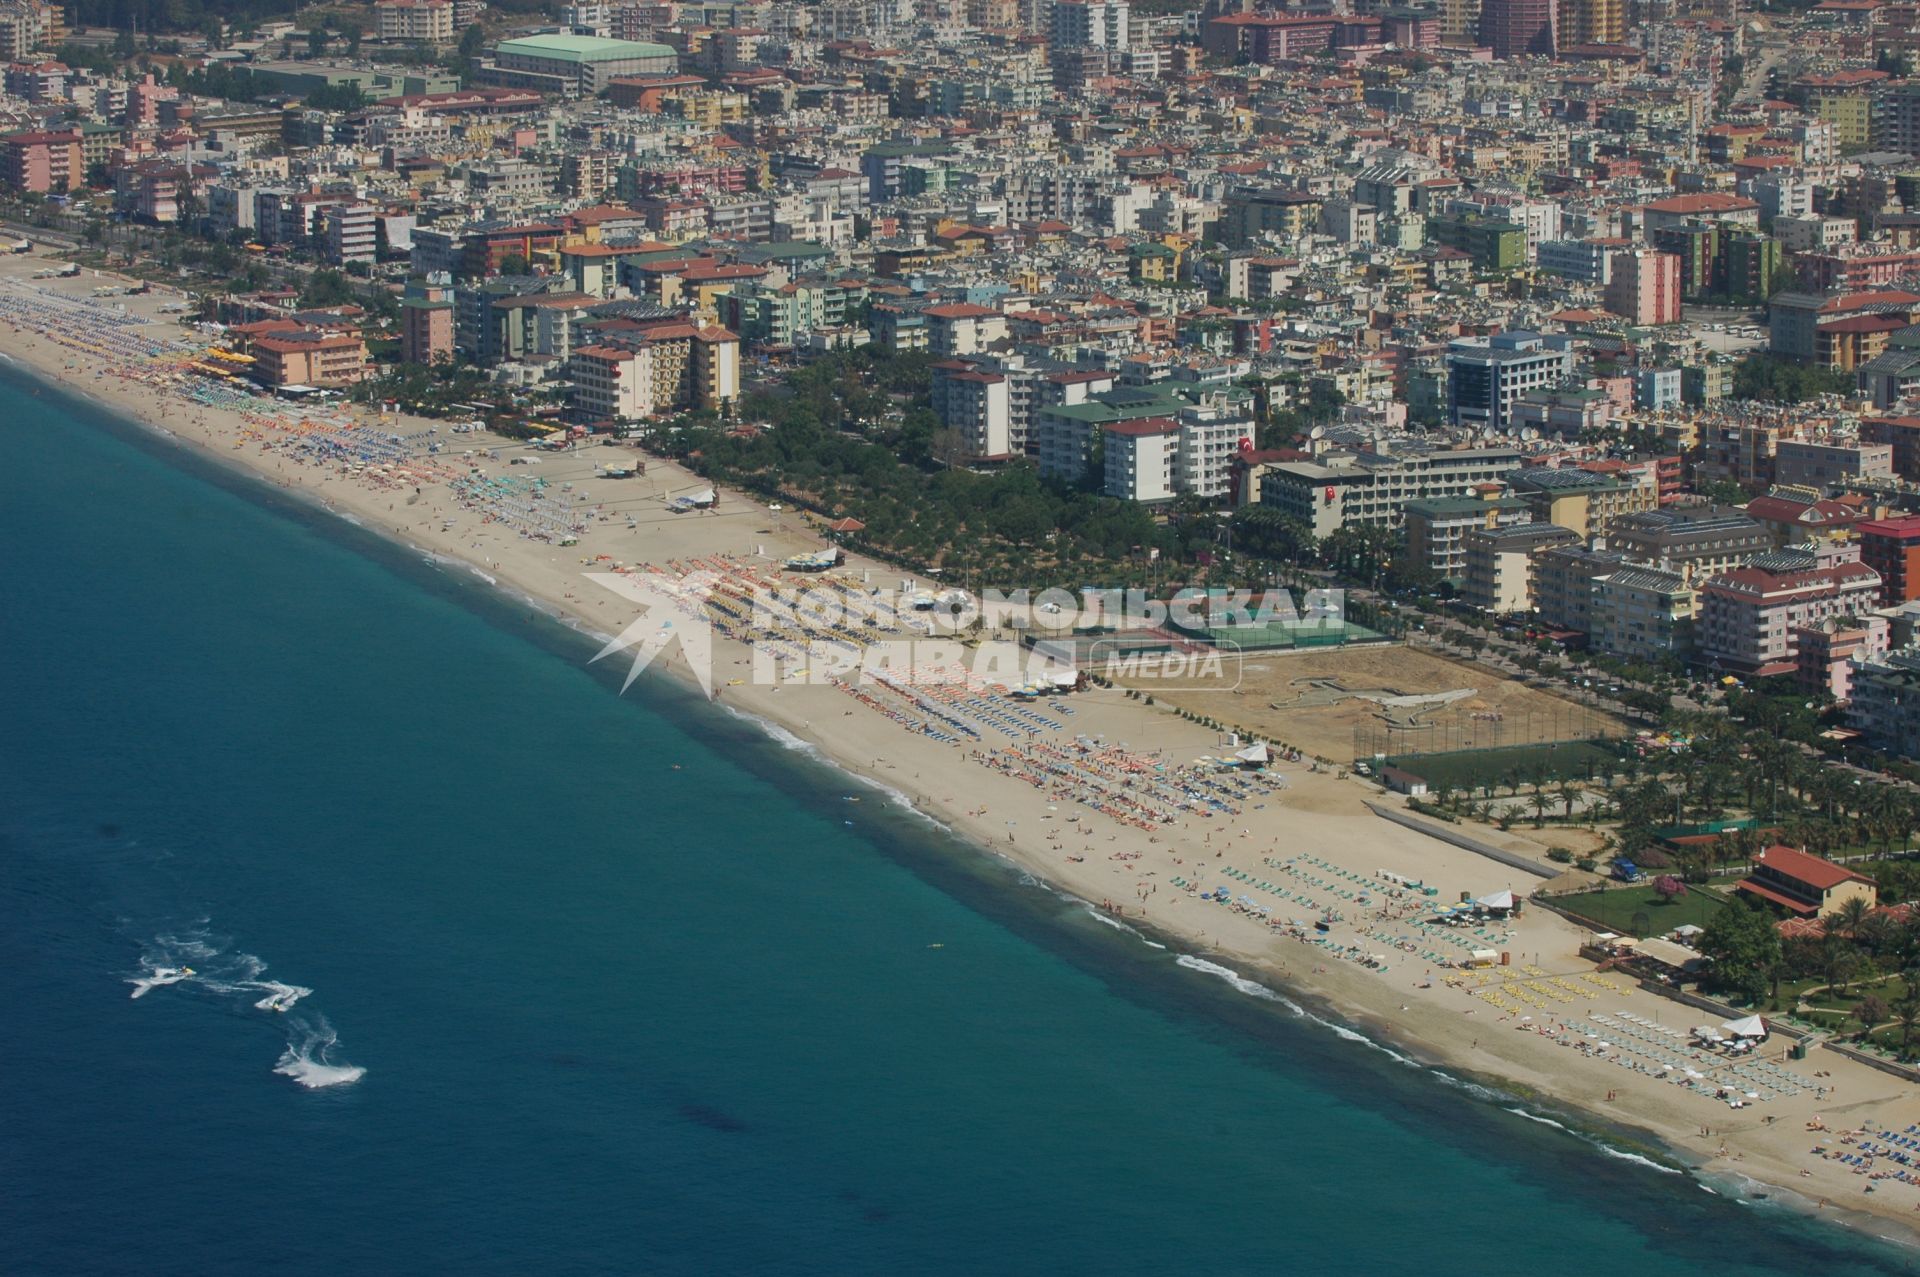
(1696, 540)
(1642, 614)
(308, 357)
(1884, 705)
(1811, 464)
(42, 162)
(1749, 618)
(1891, 547)
(1437, 529)
(1486, 376)
(1374, 488)
(1563, 585)
(1581, 499)
(978, 405)
(347, 233)
(430, 21)
(1140, 457)
(651, 368)
(1499, 564)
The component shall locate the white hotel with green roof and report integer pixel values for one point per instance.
(573, 65)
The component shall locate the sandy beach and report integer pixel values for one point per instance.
(1096, 793)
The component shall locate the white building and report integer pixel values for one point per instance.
(414, 20)
(1141, 457)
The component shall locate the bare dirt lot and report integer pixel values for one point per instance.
(1386, 698)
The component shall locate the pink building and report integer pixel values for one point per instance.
(42, 162)
(1645, 287)
(1828, 652)
(1752, 619)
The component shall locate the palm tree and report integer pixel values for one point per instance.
(1567, 794)
(1849, 917)
(1837, 961)
(1540, 803)
(1906, 1018)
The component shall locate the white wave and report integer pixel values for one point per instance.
(482, 575)
(307, 1059)
(1106, 919)
(1251, 988)
(1623, 1155)
(157, 977)
(280, 997)
(1535, 1117)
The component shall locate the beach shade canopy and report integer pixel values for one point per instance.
(1751, 1026)
(1498, 900)
(1706, 1032)
(1254, 753)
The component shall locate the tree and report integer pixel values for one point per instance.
(1870, 1012)
(1850, 916)
(1906, 1017)
(327, 288)
(317, 42)
(1745, 949)
(1838, 960)
(1669, 888)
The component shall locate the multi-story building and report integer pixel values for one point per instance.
(426, 322)
(430, 21)
(1499, 564)
(1493, 243)
(347, 233)
(41, 162)
(1581, 499)
(1748, 617)
(1082, 24)
(572, 65)
(1813, 464)
(1891, 547)
(1642, 614)
(1437, 529)
(1842, 331)
(1563, 585)
(1691, 540)
(1486, 375)
(978, 405)
(1520, 28)
(1254, 213)
(1885, 702)
(1588, 261)
(1374, 488)
(1584, 22)
(1139, 458)
(657, 367)
(308, 357)
(1644, 287)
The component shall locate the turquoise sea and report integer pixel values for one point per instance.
(603, 984)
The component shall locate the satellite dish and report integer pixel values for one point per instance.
(1318, 432)
(1531, 434)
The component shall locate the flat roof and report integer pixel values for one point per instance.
(582, 48)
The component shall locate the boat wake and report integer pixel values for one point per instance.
(198, 959)
(308, 1057)
(203, 963)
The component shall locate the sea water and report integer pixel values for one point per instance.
(349, 923)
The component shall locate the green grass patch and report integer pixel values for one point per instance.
(1637, 910)
(1468, 769)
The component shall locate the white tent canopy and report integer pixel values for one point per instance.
(1751, 1026)
(1498, 900)
(1254, 753)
